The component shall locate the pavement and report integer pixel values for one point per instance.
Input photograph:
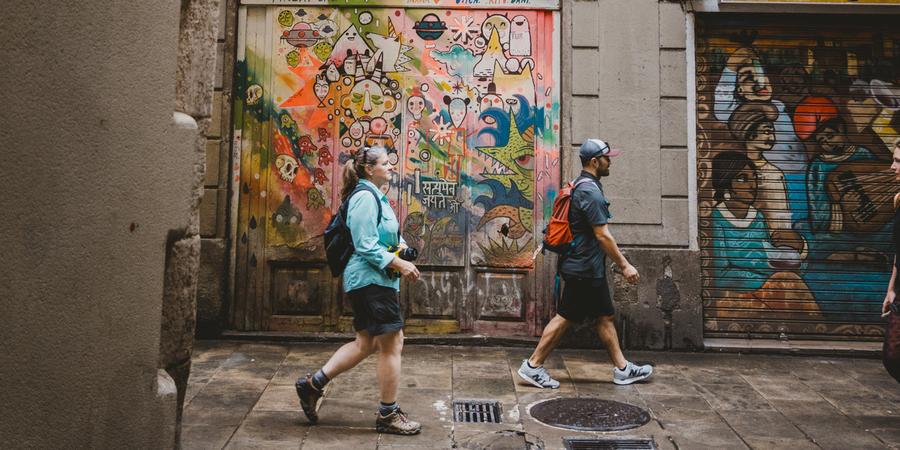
(241, 395)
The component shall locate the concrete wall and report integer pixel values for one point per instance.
(626, 63)
(97, 179)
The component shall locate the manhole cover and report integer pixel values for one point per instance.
(589, 414)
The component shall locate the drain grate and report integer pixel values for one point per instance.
(476, 411)
(609, 444)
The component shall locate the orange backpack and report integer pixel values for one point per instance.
(558, 234)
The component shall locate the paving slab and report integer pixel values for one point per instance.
(700, 429)
(344, 413)
(221, 404)
(340, 438)
(278, 398)
(658, 403)
(762, 425)
(271, 429)
(737, 396)
(784, 386)
(827, 426)
(202, 437)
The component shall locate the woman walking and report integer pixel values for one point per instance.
(891, 348)
(892, 284)
(371, 281)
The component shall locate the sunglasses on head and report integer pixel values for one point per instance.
(602, 152)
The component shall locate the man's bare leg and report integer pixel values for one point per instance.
(550, 338)
(606, 331)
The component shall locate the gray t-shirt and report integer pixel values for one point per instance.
(589, 207)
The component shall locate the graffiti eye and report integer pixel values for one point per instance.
(523, 160)
(357, 98)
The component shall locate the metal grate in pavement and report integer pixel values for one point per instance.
(609, 444)
(476, 411)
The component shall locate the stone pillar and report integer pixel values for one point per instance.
(193, 101)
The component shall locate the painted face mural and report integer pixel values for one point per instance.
(415, 105)
(795, 187)
(367, 100)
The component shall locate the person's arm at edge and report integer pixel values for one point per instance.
(608, 244)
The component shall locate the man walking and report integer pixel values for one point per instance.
(583, 268)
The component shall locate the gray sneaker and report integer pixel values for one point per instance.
(631, 373)
(396, 422)
(537, 376)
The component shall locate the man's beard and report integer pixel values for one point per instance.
(603, 172)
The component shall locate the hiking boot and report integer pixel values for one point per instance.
(537, 376)
(310, 397)
(632, 373)
(396, 423)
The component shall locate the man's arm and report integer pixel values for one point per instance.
(609, 246)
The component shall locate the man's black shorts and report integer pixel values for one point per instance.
(376, 309)
(584, 298)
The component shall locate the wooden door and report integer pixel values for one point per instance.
(465, 101)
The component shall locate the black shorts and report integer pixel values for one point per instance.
(584, 298)
(376, 309)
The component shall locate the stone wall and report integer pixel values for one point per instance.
(215, 209)
(627, 65)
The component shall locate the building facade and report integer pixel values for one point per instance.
(753, 193)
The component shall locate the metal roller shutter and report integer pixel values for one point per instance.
(797, 118)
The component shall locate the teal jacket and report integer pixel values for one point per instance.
(371, 240)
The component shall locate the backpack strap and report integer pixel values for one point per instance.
(577, 182)
(359, 188)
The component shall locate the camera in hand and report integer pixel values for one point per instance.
(406, 254)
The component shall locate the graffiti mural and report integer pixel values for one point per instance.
(794, 131)
(457, 98)
(464, 100)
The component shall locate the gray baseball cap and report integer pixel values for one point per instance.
(592, 148)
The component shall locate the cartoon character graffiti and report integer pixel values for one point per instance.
(321, 89)
(458, 108)
(499, 24)
(511, 181)
(287, 167)
(519, 37)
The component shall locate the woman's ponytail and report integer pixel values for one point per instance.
(355, 168)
